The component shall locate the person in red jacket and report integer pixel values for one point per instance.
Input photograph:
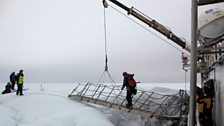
(130, 85)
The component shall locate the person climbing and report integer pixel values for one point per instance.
(130, 85)
(12, 79)
(7, 88)
(20, 79)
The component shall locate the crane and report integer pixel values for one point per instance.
(151, 23)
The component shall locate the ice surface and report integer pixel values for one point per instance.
(48, 105)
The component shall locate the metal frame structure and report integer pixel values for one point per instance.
(145, 103)
(206, 2)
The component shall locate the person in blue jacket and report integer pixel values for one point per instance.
(12, 79)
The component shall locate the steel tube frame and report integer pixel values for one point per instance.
(193, 74)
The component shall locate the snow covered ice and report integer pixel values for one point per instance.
(48, 105)
(45, 108)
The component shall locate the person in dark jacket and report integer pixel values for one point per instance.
(128, 87)
(12, 79)
(20, 78)
(200, 102)
(209, 94)
(7, 88)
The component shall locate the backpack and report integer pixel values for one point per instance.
(131, 81)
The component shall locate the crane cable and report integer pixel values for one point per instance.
(185, 80)
(105, 39)
(148, 29)
(106, 59)
(183, 52)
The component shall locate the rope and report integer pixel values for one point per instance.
(105, 31)
(148, 29)
(102, 77)
(105, 39)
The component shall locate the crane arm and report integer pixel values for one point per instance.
(151, 23)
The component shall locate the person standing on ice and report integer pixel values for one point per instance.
(130, 85)
(12, 79)
(20, 79)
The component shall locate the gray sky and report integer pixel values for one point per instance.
(63, 40)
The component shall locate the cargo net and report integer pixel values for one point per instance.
(145, 103)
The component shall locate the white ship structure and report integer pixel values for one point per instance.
(211, 40)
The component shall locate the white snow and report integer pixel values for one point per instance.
(49, 105)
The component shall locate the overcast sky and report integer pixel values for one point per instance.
(63, 40)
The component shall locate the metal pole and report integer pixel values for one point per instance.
(193, 77)
(202, 80)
